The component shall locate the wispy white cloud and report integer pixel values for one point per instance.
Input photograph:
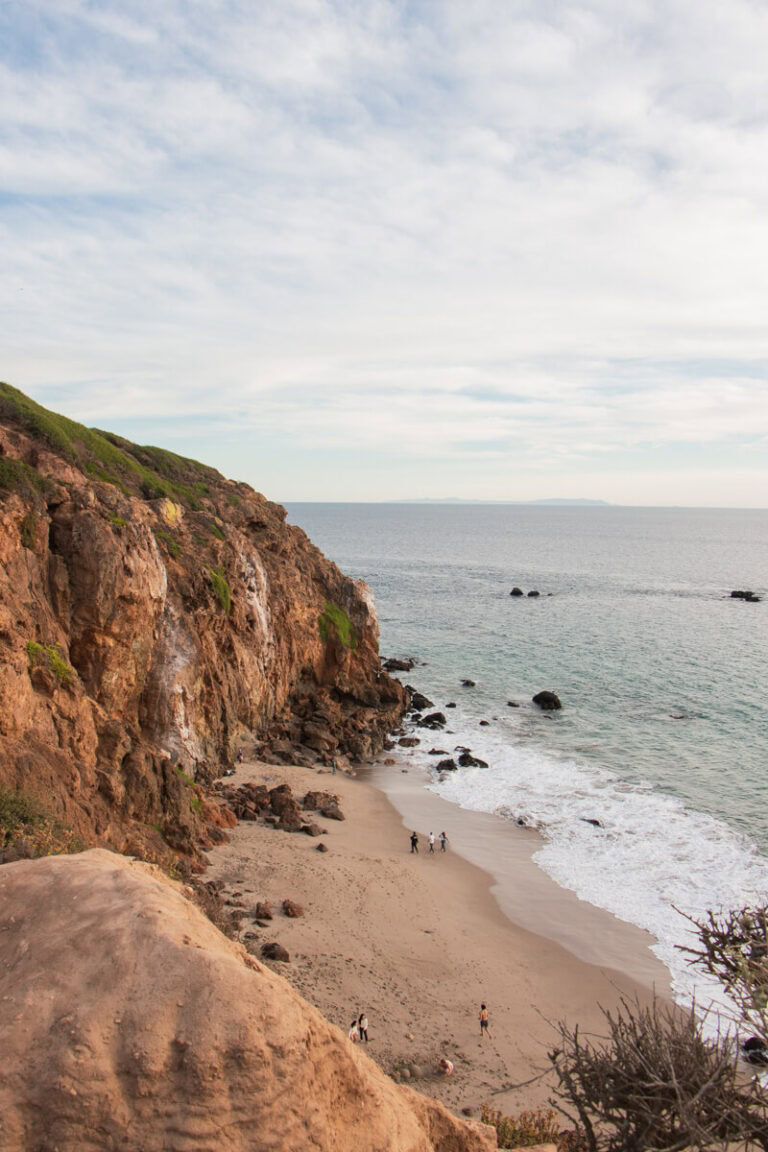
(360, 224)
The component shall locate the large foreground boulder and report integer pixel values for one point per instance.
(129, 1022)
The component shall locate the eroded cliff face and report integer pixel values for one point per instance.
(152, 614)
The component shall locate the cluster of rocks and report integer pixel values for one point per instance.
(750, 597)
(279, 808)
(394, 664)
(519, 592)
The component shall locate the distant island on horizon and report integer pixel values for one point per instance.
(462, 500)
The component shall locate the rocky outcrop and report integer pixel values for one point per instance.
(129, 1021)
(153, 615)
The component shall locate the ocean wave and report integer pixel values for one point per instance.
(650, 859)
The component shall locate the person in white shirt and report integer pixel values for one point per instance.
(431, 841)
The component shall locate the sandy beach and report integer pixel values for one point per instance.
(419, 941)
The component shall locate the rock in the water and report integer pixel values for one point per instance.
(448, 765)
(275, 951)
(452, 704)
(467, 760)
(750, 597)
(437, 752)
(484, 723)
(396, 665)
(534, 593)
(433, 720)
(512, 704)
(516, 591)
(590, 820)
(292, 909)
(263, 910)
(408, 741)
(549, 701)
(419, 702)
(468, 684)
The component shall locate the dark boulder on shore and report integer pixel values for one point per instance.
(467, 760)
(448, 765)
(749, 597)
(516, 592)
(275, 951)
(548, 701)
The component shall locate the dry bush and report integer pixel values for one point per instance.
(734, 949)
(655, 1082)
(28, 830)
(539, 1127)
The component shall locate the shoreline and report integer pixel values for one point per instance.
(526, 895)
(418, 942)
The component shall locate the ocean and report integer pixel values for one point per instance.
(663, 733)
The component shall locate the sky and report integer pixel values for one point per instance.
(368, 250)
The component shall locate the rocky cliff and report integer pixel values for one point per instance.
(129, 1022)
(153, 615)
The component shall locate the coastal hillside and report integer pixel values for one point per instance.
(154, 614)
(130, 1022)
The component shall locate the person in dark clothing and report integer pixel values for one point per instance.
(414, 843)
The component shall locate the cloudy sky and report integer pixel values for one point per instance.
(504, 249)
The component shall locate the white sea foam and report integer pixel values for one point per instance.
(653, 861)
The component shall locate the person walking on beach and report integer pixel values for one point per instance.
(362, 1026)
(443, 841)
(414, 843)
(484, 1021)
(432, 842)
(334, 766)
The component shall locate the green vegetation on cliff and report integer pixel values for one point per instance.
(221, 587)
(49, 656)
(153, 472)
(335, 622)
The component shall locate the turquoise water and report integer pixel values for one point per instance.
(663, 736)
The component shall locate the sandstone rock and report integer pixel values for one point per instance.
(332, 812)
(312, 829)
(322, 848)
(314, 801)
(548, 701)
(275, 951)
(263, 910)
(129, 1021)
(292, 909)
(409, 741)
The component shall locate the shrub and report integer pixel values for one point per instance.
(24, 817)
(49, 656)
(334, 622)
(216, 531)
(118, 522)
(172, 547)
(28, 530)
(221, 588)
(16, 476)
(540, 1127)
